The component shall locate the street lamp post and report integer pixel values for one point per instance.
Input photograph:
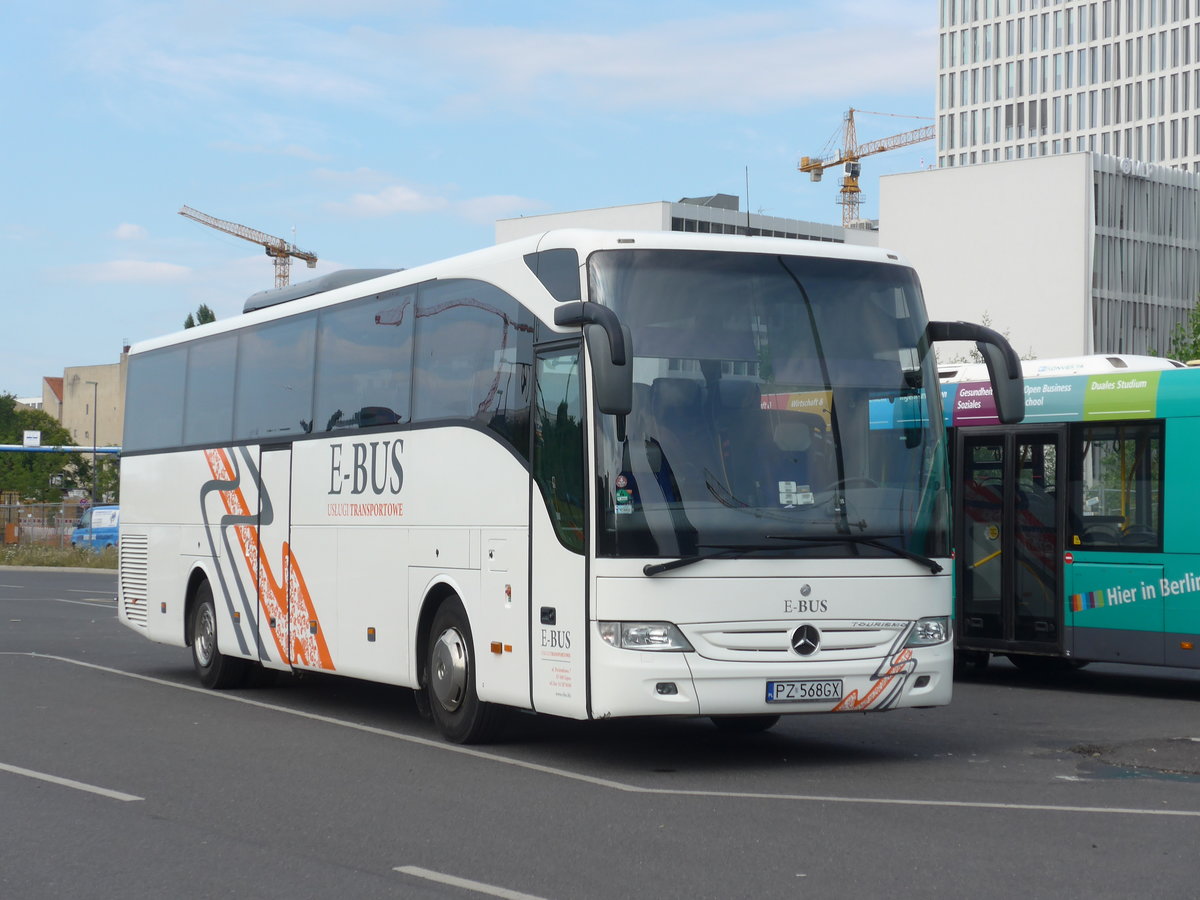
(95, 388)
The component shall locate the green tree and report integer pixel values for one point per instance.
(1185, 338)
(31, 474)
(202, 316)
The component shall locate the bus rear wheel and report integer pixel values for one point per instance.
(213, 668)
(450, 678)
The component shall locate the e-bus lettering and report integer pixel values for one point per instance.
(805, 606)
(556, 639)
(375, 465)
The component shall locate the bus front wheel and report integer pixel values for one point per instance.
(213, 668)
(460, 715)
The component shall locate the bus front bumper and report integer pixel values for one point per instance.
(655, 683)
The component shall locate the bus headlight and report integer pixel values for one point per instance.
(644, 636)
(930, 630)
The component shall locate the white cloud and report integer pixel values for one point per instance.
(486, 210)
(127, 232)
(273, 75)
(132, 271)
(396, 198)
(421, 64)
(296, 151)
(748, 61)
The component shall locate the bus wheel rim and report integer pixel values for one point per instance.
(448, 672)
(205, 635)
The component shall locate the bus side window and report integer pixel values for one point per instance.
(473, 351)
(558, 444)
(364, 362)
(1117, 486)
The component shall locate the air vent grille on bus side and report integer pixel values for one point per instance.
(135, 567)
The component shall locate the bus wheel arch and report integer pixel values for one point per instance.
(448, 671)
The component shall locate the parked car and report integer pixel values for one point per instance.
(97, 528)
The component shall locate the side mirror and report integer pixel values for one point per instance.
(608, 344)
(1003, 364)
(580, 312)
(612, 383)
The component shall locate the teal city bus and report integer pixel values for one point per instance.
(1077, 532)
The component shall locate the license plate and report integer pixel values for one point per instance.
(805, 691)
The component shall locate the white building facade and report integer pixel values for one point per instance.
(718, 214)
(1029, 78)
(1071, 254)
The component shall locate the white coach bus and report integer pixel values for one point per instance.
(588, 474)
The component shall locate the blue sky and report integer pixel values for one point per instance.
(389, 134)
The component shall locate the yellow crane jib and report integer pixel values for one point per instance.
(850, 194)
(277, 248)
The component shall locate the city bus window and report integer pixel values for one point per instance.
(154, 400)
(364, 362)
(1117, 491)
(212, 366)
(274, 380)
(472, 358)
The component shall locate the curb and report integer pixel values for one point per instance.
(4, 568)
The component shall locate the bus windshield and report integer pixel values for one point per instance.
(782, 406)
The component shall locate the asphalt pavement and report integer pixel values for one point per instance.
(120, 777)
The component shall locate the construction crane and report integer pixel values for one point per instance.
(277, 248)
(850, 195)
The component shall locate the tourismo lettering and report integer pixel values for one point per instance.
(369, 466)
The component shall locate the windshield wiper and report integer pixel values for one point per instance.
(718, 550)
(933, 565)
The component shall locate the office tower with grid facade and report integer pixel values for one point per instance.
(1028, 78)
(1065, 206)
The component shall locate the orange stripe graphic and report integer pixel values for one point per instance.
(307, 646)
(897, 668)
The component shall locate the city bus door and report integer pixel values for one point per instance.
(1010, 493)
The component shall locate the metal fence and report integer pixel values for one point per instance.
(47, 524)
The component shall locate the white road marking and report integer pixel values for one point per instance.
(466, 884)
(93, 601)
(607, 782)
(67, 782)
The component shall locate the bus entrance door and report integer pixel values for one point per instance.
(558, 537)
(1009, 539)
(274, 576)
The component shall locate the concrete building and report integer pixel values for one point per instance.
(52, 396)
(1070, 254)
(93, 403)
(1029, 78)
(718, 214)
(1064, 209)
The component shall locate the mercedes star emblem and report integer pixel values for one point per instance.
(805, 640)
